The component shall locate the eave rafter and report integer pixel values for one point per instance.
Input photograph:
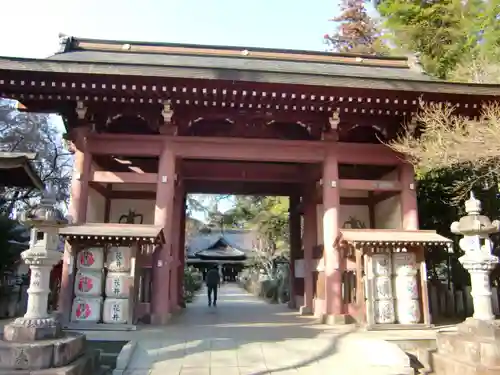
(220, 93)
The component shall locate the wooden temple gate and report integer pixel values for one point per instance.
(146, 131)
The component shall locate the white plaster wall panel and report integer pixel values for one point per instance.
(115, 311)
(91, 258)
(299, 268)
(95, 207)
(350, 212)
(388, 214)
(86, 309)
(346, 211)
(121, 207)
(132, 187)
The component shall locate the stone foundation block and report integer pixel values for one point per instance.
(26, 356)
(484, 329)
(68, 348)
(337, 319)
(305, 310)
(88, 364)
(160, 319)
(474, 342)
(41, 354)
(445, 365)
(21, 333)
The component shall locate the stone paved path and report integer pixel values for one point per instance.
(244, 335)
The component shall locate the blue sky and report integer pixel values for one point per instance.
(33, 31)
(257, 23)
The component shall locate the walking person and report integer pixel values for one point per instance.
(213, 282)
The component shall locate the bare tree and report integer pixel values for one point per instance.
(438, 137)
(34, 132)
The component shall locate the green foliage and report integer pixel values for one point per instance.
(443, 33)
(193, 281)
(268, 215)
(274, 288)
(439, 205)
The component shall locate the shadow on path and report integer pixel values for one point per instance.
(242, 335)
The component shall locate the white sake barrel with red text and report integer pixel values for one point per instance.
(91, 258)
(88, 283)
(86, 309)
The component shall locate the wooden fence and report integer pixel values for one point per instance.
(447, 302)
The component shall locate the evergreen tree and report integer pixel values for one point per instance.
(356, 31)
(444, 33)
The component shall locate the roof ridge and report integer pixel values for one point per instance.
(70, 44)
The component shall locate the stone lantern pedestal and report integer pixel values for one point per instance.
(474, 347)
(35, 343)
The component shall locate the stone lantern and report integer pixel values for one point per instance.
(472, 347)
(35, 343)
(478, 260)
(45, 221)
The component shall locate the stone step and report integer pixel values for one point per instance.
(109, 350)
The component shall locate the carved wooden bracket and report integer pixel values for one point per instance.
(334, 120)
(167, 112)
(81, 110)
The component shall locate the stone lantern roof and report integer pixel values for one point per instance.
(46, 213)
(474, 223)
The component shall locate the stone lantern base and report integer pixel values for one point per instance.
(39, 347)
(473, 349)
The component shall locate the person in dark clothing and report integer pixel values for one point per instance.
(213, 281)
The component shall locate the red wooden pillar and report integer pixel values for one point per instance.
(332, 262)
(176, 243)
(79, 196)
(165, 192)
(295, 246)
(309, 242)
(409, 208)
(182, 251)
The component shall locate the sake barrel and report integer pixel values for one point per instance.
(380, 265)
(86, 309)
(118, 285)
(406, 287)
(91, 258)
(404, 263)
(115, 311)
(408, 311)
(384, 312)
(88, 283)
(382, 288)
(118, 259)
